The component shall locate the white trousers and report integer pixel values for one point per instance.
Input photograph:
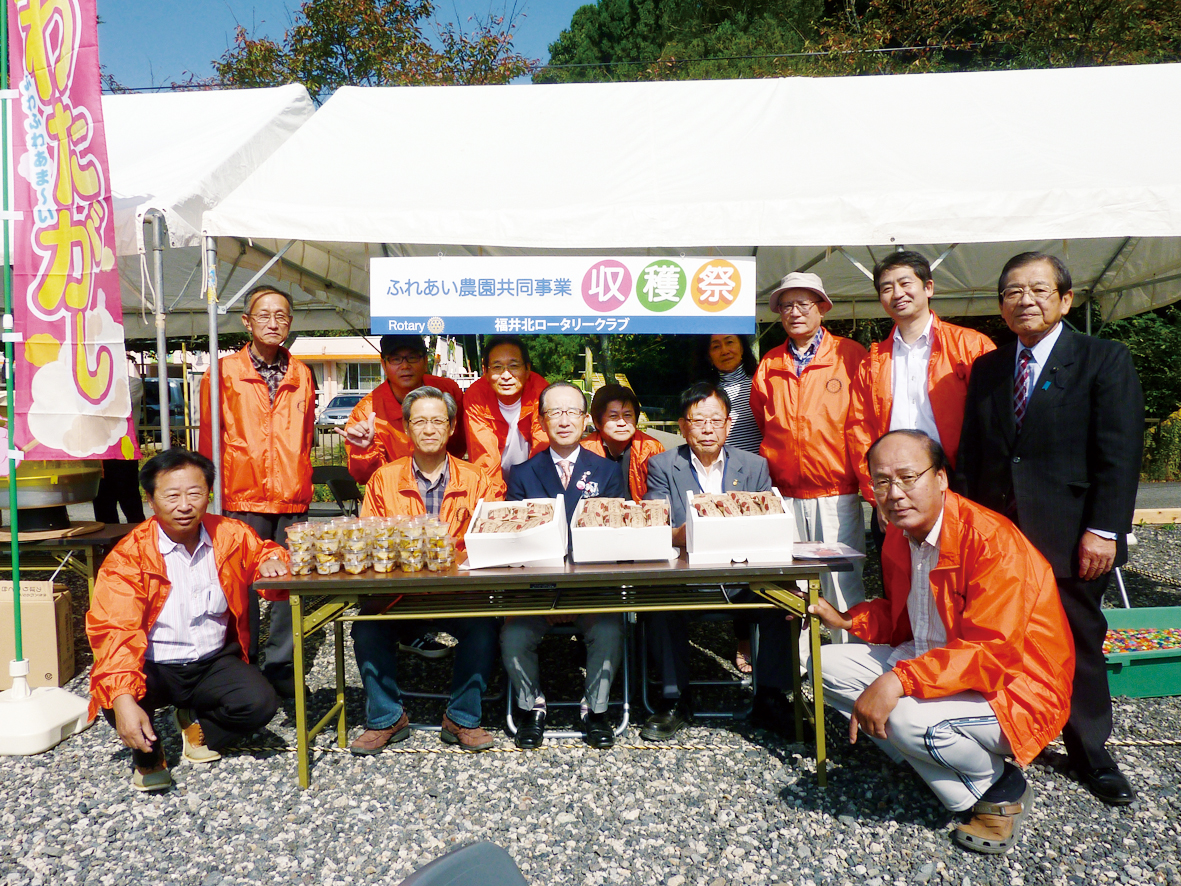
(833, 518)
(954, 743)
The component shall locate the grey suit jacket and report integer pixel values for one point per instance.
(671, 475)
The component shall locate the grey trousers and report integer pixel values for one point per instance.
(954, 743)
(603, 635)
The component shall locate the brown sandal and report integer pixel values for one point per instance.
(994, 827)
(742, 659)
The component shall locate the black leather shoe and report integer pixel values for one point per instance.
(282, 679)
(665, 724)
(1108, 784)
(773, 711)
(599, 733)
(531, 729)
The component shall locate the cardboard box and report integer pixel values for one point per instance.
(540, 546)
(47, 633)
(1150, 673)
(715, 541)
(606, 544)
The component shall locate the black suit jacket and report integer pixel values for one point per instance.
(538, 478)
(1075, 464)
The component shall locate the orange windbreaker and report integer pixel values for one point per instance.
(133, 585)
(266, 465)
(953, 351)
(391, 441)
(643, 448)
(1007, 635)
(393, 491)
(487, 429)
(803, 418)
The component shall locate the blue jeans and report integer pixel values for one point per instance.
(375, 643)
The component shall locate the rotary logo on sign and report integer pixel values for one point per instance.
(435, 325)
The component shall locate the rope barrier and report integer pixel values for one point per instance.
(1158, 577)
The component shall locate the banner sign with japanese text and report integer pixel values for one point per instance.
(72, 398)
(461, 295)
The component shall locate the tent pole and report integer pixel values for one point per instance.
(155, 218)
(214, 368)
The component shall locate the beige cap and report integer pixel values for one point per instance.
(799, 280)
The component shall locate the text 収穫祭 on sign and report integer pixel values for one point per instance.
(71, 370)
(464, 295)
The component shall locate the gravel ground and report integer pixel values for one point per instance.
(728, 805)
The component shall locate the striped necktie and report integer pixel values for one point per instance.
(1021, 385)
(565, 470)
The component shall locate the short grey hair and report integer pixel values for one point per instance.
(426, 392)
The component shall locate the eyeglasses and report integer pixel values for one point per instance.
(265, 319)
(501, 368)
(435, 423)
(700, 424)
(399, 359)
(564, 413)
(796, 307)
(1040, 294)
(904, 482)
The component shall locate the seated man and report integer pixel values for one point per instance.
(615, 410)
(427, 482)
(169, 623)
(566, 470)
(706, 464)
(971, 658)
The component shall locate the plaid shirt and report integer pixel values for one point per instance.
(802, 360)
(272, 373)
(432, 493)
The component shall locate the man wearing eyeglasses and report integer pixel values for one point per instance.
(800, 399)
(428, 481)
(918, 377)
(565, 470)
(375, 433)
(1052, 438)
(967, 659)
(704, 463)
(268, 424)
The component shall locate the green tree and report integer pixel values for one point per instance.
(1154, 338)
(337, 43)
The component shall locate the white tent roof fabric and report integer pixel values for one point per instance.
(804, 173)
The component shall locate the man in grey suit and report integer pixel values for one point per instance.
(1052, 439)
(706, 464)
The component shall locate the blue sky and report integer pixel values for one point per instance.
(157, 42)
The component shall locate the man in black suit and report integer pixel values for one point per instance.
(566, 470)
(706, 464)
(1052, 439)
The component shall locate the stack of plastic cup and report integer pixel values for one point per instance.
(300, 540)
(384, 544)
(356, 547)
(411, 546)
(328, 546)
(440, 548)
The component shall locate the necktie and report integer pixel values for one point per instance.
(1021, 385)
(564, 470)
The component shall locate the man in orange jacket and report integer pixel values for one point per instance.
(268, 426)
(800, 400)
(615, 410)
(427, 482)
(375, 434)
(970, 658)
(918, 377)
(500, 411)
(168, 623)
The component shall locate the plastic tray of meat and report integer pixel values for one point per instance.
(738, 527)
(517, 533)
(615, 530)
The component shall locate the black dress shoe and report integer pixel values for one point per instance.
(599, 733)
(1108, 784)
(773, 711)
(665, 724)
(531, 729)
(282, 679)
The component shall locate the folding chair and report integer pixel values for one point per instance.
(343, 488)
(477, 864)
(1119, 575)
(741, 682)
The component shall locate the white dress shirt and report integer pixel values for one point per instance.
(911, 408)
(710, 478)
(926, 626)
(516, 447)
(195, 617)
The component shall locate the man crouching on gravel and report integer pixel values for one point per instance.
(969, 662)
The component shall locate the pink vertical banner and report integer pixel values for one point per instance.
(72, 398)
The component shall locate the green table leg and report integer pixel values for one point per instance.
(817, 690)
(342, 729)
(796, 682)
(301, 710)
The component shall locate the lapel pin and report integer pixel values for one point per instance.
(1046, 386)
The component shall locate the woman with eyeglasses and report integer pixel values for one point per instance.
(615, 411)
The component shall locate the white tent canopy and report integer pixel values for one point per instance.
(820, 174)
(181, 153)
